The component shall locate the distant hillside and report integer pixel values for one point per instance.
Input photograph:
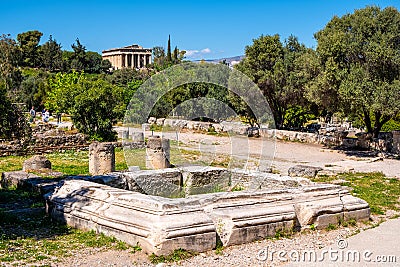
(229, 60)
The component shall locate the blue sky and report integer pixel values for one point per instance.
(206, 29)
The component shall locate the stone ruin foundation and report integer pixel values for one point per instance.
(148, 207)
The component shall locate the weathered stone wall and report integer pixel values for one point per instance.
(237, 128)
(45, 138)
(60, 140)
(193, 180)
(384, 142)
(396, 142)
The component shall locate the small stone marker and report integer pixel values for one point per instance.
(303, 171)
(37, 162)
(101, 158)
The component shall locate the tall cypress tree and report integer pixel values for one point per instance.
(169, 55)
(176, 52)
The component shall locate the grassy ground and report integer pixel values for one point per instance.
(69, 162)
(382, 193)
(29, 236)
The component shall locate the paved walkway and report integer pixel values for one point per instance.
(379, 246)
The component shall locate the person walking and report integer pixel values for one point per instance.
(46, 116)
(58, 117)
(32, 113)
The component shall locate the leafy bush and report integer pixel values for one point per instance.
(94, 105)
(391, 125)
(296, 116)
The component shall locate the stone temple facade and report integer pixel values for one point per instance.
(133, 56)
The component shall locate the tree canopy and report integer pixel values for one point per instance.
(359, 55)
(51, 55)
(10, 55)
(29, 44)
(94, 104)
(272, 66)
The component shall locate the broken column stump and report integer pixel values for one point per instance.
(157, 153)
(101, 158)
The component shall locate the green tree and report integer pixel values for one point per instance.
(94, 105)
(178, 55)
(96, 110)
(190, 100)
(78, 58)
(29, 44)
(5, 107)
(162, 61)
(158, 56)
(93, 62)
(33, 88)
(359, 55)
(10, 75)
(13, 124)
(105, 66)
(130, 89)
(169, 55)
(51, 55)
(122, 77)
(273, 67)
(67, 58)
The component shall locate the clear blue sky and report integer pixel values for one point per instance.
(207, 29)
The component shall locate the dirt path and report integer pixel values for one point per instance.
(283, 155)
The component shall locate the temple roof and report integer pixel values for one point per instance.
(129, 48)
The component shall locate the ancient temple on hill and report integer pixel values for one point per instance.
(133, 56)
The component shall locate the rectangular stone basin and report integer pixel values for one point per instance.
(160, 224)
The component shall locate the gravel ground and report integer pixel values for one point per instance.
(251, 254)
